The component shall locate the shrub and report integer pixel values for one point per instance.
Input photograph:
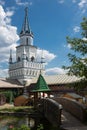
(23, 127)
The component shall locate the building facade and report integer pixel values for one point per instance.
(26, 65)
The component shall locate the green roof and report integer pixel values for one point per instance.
(41, 85)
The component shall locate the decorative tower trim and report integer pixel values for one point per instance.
(26, 28)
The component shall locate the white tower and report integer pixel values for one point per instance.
(26, 65)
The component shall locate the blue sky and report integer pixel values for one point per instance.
(50, 20)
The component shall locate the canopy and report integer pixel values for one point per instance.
(41, 85)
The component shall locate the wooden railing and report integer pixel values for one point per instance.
(51, 111)
(74, 107)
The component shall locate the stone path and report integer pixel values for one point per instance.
(6, 106)
(71, 123)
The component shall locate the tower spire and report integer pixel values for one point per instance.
(25, 27)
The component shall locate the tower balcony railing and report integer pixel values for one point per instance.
(25, 72)
(26, 64)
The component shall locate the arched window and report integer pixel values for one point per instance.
(32, 58)
(18, 58)
(26, 58)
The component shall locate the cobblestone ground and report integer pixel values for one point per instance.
(71, 123)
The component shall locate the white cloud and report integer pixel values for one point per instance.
(55, 70)
(20, 3)
(83, 11)
(82, 3)
(84, 39)
(69, 46)
(61, 1)
(46, 55)
(3, 72)
(8, 36)
(82, 6)
(76, 29)
(5, 52)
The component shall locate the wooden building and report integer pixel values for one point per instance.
(58, 84)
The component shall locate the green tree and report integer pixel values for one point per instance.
(9, 96)
(78, 57)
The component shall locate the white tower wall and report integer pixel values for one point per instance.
(26, 40)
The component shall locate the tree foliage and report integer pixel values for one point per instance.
(78, 58)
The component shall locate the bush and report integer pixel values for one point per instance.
(23, 127)
(40, 127)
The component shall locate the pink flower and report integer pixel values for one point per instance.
(11, 126)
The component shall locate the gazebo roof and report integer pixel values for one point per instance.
(41, 85)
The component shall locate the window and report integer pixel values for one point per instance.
(26, 58)
(18, 58)
(27, 41)
(32, 58)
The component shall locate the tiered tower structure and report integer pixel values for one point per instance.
(26, 65)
